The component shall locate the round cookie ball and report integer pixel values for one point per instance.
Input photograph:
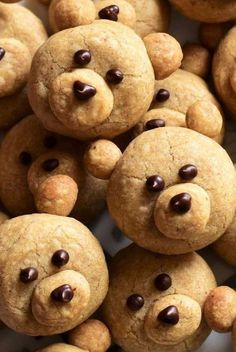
(58, 289)
(175, 158)
(196, 59)
(210, 34)
(210, 11)
(90, 96)
(165, 53)
(59, 347)
(155, 302)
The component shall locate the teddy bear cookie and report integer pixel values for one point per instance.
(155, 302)
(91, 81)
(21, 35)
(43, 171)
(145, 19)
(224, 71)
(53, 274)
(160, 192)
(210, 11)
(184, 100)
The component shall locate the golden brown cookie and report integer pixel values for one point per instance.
(91, 81)
(21, 35)
(155, 302)
(43, 171)
(60, 347)
(53, 274)
(197, 59)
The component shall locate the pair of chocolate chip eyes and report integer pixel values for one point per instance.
(156, 183)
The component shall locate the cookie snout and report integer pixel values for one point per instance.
(172, 319)
(80, 99)
(182, 211)
(61, 299)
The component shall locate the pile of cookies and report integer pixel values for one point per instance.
(109, 109)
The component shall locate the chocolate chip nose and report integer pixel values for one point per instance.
(2, 53)
(181, 203)
(109, 13)
(155, 123)
(62, 294)
(169, 315)
(50, 164)
(84, 91)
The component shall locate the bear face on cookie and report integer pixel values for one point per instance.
(167, 192)
(53, 274)
(44, 171)
(155, 302)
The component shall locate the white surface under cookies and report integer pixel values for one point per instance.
(112, 240)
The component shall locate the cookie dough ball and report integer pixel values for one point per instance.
(173, 182)
(93, 77)
(210, 11)
(45, 173)
(60, 347)
(155, 302)
(18, 44)
(165, 53)
(210, 34)
(57, 290)
(196, 59)
(122, 11)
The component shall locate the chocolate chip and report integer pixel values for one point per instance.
(84, 91)
(169, 315)
(82, 57)
(28, 275)
(50, 142)
(109, 13)
(62, 294)
(181, 203)
(25, 158)
(60, 258)
(2, 53)
(114, 76)
(188, 172)
(162, 95)
(155, 183)
(135, 302)
(163, 282)
(155, 123)
(50, 164)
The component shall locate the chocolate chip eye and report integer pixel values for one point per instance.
(163, 282)
(155, 183)
(155, 123)
(181, 203)
(84, 91)
(109, 13)
(114, 76)
(2, 53)
(63, 294)
(25, 158)
(82, 57)
(28, 275)
(162, 95)
(50, 142)
(169, 315)
(50, 165)
(60, 258)
(188, 172)
(135, 302)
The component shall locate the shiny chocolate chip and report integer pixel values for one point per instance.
(169, 315)
(2, 53)
(114, 76)
(50, 164)
(155, 123)
(155, 183)
(28, 275)
(84, 91)
(162, 95)
(188, 172)
(25, 158)
(82, 57)
(63, 294)
(163, 282)
(181, 203)
(60, 258)
(135, 302)
(109, 13)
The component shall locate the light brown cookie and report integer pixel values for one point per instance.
(21, 35)
(197, 59)
(43, 171)
(60, 347)
(207, 10)
(53, 274)
(184, 100)
(91, 81)
(155, 302)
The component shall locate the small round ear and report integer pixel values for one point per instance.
(92, 336)
(220, 309)
(101, 158)
(56, 195)
(164, 52)
(204, 117)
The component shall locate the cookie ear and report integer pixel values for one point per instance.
(220, 309)
(164, 52)
(101, 158)
(92, 336)
(204, 117)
